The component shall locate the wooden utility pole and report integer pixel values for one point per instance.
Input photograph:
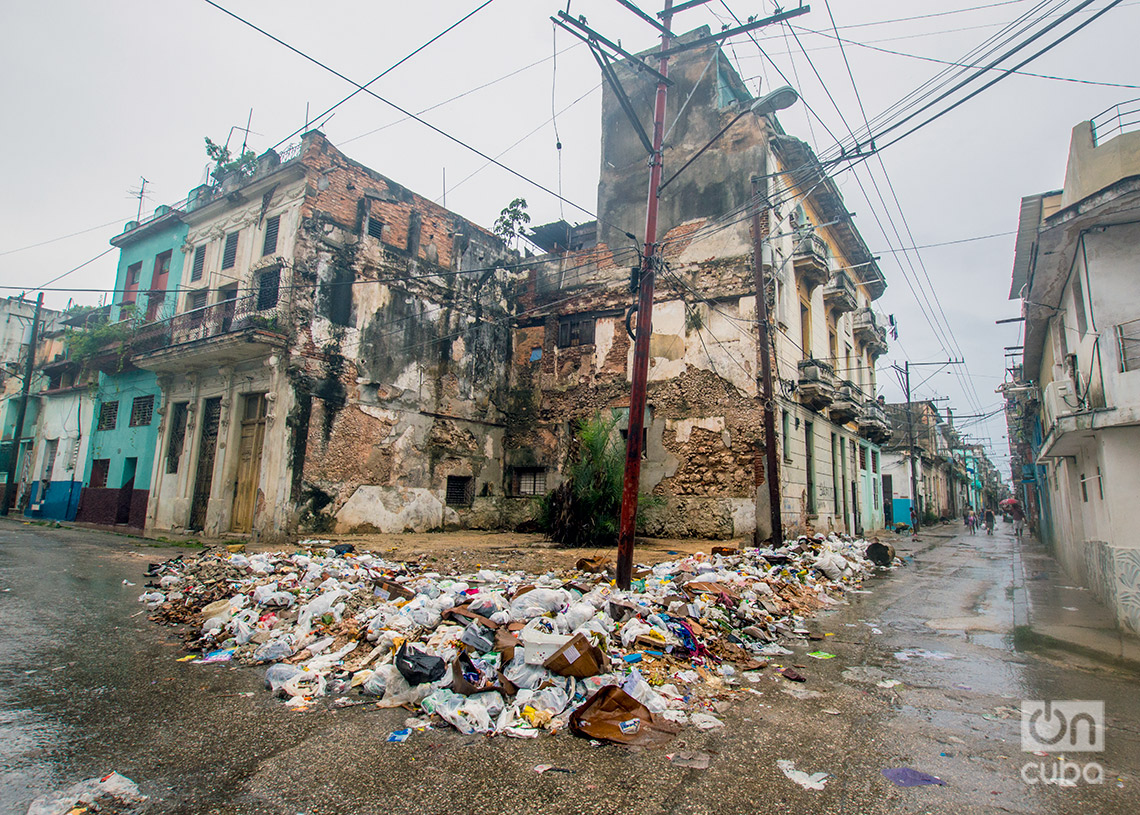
(14, 455)
(764, 345)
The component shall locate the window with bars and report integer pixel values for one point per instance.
(99, 469)
(108, 416)
(577, 329)
(862, 457)
(142, 411)
(268, 287)
(460, 490)
(529, 481)
(229, 254)
(269, 245)
(199, 266)
(177, 436)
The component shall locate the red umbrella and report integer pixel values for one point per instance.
(1009, 503)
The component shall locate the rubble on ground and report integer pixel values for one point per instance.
(512, 653)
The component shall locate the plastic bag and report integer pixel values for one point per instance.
(465, 714)
(277, 675)
(274, 650)
(417, 667)
(304, 683)
(525, 675)
(537, 602)
(639, 689)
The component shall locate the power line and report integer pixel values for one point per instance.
(407, 113)
(64, 237)
(386, 71)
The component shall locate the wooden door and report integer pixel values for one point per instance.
(204, 476)
(249, 462)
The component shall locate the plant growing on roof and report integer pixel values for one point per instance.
(225, 164)
(509, 225)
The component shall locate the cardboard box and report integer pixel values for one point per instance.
(579, 658)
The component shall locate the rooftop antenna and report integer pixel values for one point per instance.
(141, 193)
(245, 139)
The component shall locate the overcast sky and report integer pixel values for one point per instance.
(97, 95)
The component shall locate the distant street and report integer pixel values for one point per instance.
(89, 685)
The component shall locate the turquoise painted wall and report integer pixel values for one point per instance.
(126, 442)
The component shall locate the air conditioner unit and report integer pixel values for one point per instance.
(1058, 401)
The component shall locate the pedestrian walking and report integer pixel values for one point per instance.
(1018, 520)
(989, 521)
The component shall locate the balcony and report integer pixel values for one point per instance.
(868, 331)
(873, 424)
(816, 385)
(839, 293)
(810, 261)
(845, 405)
(225, 333)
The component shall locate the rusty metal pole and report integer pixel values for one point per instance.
(764, 344)
(637, 392)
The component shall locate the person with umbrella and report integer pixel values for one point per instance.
(1013, 507)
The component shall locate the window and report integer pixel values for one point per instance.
(375, 228)
(197, 299)
(1100, 483)
(577, 329)
(644, 440)
(862, 457)
(805, 328)
(134, 272)
(787, 436)
(1079, 305)
(199, 266)
(875, 461)
(177, 436)
(269, 283)
(529, 481)
(142, 410)
(269, 245)
(161, 269)
(99, 469)
(229, 254)
(460, 490)
(51, 448)
(108, 416)
(1084, 489)
(809, 465)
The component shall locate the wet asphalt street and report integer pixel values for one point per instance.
(88, 685)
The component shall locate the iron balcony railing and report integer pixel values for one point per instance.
(258, 311)
(1122, 117)
(1128, 343)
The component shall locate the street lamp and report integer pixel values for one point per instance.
(783, 97)
(778, 99)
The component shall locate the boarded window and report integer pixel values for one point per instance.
(99, 470)
(460, 490)
(577, 329)
(177, 436)
(142, 410)
(108, 416)
(229, 254)
(375, 228)
(268, 286)
(269, 246)
(199, 267)
(530, 481)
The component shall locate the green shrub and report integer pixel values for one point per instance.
(585, 509)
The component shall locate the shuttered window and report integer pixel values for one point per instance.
(577, 329)
(229, 255)
(269, 284)
(270, 244)
(375, 228)
(199, 263)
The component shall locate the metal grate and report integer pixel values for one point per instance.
(530, 481)
(142, 411)
(460, 490)
(1128, 341)
(108, 416)
(375, 228)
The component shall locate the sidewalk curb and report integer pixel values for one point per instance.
(1033, 635)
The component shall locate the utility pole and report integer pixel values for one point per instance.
(14, 455)
(915, 521)
(637, 392)
(605, 51)
(764, 343)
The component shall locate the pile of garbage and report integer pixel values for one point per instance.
(511, 653)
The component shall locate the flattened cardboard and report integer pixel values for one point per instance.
(579, 658)
(613, 715)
